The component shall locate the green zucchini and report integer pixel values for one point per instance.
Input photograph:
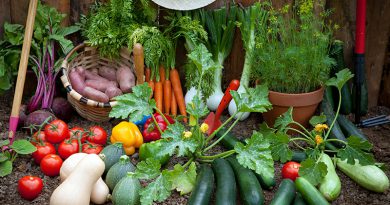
(328, 96)
(335, 132)
(266, 182)
(298, 156)
(201, 195)
(250, 189)
(285, 194)
(118, 171)
(370, 176)
(330, 186)
(309, 192)
(298, 200)
(226, 191)
(126, 192)
(349, 128)
(111, 154)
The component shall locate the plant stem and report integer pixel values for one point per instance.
(298, 131)
(303, 128)
(220, 127)
(299, 146)
(188, 163)
(155, 122)
(220, 155)
(162, 115)
(205, 160)
(216, 142)
(300, 138)
(336, 115)
(337, 140)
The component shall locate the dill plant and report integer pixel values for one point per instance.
(292, 49)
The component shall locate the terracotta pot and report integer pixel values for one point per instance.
(304, 106)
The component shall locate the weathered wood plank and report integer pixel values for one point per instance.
(5, 15)
(19, 10)
(62, 6)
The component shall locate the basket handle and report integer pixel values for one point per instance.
(80, 46)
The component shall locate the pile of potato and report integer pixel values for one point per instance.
(102, 84)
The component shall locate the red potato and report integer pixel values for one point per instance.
(125, 78)
(100, 85)
(93, 76)
(94, 70)
(93, 94)
(112, 92)
(108, 73)
(81, 71)
(77, 82)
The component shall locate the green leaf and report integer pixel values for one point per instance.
(182, 180)
(64, 31)
(66, 45)
(197, 107)
(5, 168)
(148, 169)
(158, 190)
(357, 149)
(284, 120)
(13, 33)
(4, 142)
(341, 78)
(252, 100)
(3, 157)
(317, 120)
(256, 155)
(202, 58)
(134, 105)
(23, 147)
(313, 171)
(175, 140)
(279, 147)
(313, 153)
(267, 132)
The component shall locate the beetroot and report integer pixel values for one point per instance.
(36, 118)
(22, 115)
(62, 109)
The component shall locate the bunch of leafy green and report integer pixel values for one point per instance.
(317, 141)
(190, 141)
(9, 153)
(292, 49)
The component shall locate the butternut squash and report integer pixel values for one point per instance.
(77, 188)
(100, 191)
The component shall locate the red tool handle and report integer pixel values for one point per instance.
(227, 97)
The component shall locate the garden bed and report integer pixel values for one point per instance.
(351, 193)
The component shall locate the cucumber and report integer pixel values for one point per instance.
(250, 189)
(203, 189)
(126, 192)
(330, 187)
(309, 192)
(298, 156)
(118, 171)
(349, 128)
(226, 191)
(285, 194)
(346, 100)
(229, 140)
(266, 182)
(336, 132)
(328, 96)
(370, 177)
(111, 154)
(298, 200)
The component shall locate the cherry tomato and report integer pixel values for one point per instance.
(56, 131)
(51, 164)
(43, 149)
(97, 134)
(30, 187)
(77, 132)
(68, 147)
(37, 137)
(290, 170)
(92, 148)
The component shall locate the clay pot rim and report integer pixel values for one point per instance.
(296, 99)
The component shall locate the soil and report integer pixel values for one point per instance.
(351, 192)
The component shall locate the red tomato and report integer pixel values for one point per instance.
(30, 187)
(92, 148)
(51, 164)
(97, 134)
(43, 149)
(56, 131)
(68, 147)
(290, 170)
(77, 132)
(38, 136)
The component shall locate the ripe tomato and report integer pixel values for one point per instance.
(97, 134)
(290, 170)
(30, 187)
(77, 132)
(51, 164)
(56, 131)
(92, 148)
(43, 149)
(68, 147)
(37, 137)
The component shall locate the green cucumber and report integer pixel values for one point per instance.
(285, 194)
(335, 132)
(328, 96)
(330, 186)
(201, 195)
(126, 192)
(370, 176)
(266, 182)
(111, 154)
(349, 128)
(309, 192)
(298, 156)
(250, 189)
(118, 171)
(226, 191)
(298, 200)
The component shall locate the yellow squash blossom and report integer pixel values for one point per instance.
(318, 139)
(204, 127)
(321, 127)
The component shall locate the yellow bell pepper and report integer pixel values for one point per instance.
(129, 134)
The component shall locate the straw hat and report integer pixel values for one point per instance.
(183, 4)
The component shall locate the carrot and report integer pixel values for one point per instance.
(167, 96)
(173, 105)
(151, 85)
(162, 74)
(147, 74)
(158, 95)
(177, 89)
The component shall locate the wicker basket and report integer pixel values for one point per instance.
(88, 58)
